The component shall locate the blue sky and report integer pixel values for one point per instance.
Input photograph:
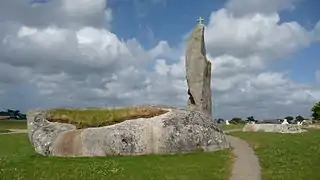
(171, 20)
(304, 63)
(305, 13)
(81, 53)
(167, 21)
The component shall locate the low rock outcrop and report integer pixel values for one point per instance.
(176, 131)
(276, 128)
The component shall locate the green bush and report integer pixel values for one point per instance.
(237, 120)
(316, 111)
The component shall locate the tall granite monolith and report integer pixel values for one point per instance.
(198, 71)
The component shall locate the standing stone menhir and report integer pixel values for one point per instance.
(198, 70)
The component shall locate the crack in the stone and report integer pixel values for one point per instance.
(191, 99)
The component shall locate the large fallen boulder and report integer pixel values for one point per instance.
(276, 128)
(176, 131)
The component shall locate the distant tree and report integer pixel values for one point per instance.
(220, 120)
(289, 118)
(236, 120)
(316, 111)
(299, 118)
(251, 119)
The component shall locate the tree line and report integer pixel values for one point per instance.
(12, 114)
(315, 110)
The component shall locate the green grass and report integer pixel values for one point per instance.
(13, 124)
(232, 126)
(286, 156)
(19, 161)
(83, 118)
(4, 131)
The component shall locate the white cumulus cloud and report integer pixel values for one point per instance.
(69, 57)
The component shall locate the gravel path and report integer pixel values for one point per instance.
(15, 131)
(246, 165)
(232, 130)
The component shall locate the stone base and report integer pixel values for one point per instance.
(312, 126)
(177, 131)
(275, 128)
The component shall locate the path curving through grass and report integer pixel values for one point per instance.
(246, 164)
(286, 156)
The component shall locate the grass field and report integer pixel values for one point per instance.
(19, 161)
(83, 118)
(4, 131)
(13, 124)
(286, 156)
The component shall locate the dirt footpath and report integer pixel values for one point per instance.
(246, 165)
(15, 131)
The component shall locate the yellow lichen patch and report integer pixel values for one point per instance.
(95, 117)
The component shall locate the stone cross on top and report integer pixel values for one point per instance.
(200, 20)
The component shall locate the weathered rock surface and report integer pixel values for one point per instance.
(198, 70)
(177, 131)
(312, 126)
(43, 133)
(276, 128)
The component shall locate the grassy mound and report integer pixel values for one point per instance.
(286, 156)
(19, 161)
(84, 118)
